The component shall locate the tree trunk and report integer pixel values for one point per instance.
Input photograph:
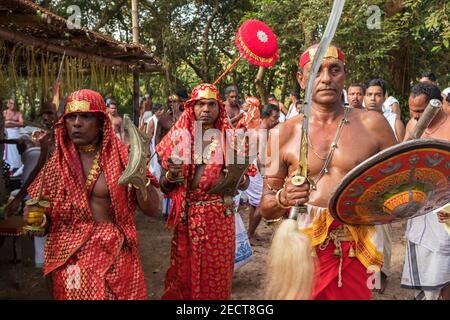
(284, 87)
(3, 193)
(270, 80)
(135, 28)
(401, 69)
(259, 82)
(135, 21)
(204, 60)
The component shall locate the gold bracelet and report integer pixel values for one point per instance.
(243, 182)
(269, 221)
(149, 181)
(169, 179)
(277, 198)
(272, 189)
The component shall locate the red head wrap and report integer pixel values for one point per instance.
(84, 100)
(332, 52)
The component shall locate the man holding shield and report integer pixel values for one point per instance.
(203, 245)
(339, 139)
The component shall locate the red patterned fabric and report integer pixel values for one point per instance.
(203, 249)
(73, 234)
(203, 246)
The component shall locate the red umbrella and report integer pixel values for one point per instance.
(257, 43)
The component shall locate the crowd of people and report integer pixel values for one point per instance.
(91, 242)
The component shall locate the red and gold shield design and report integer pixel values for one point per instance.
(401, 182)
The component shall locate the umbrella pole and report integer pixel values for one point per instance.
(228, 69)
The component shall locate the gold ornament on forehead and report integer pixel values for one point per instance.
(206, 93)
(77, 106)
(332, 52)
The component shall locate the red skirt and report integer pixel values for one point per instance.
(202, 255)
(104, 268)
(355, 277)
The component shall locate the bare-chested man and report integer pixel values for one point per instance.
(13, 121)
(270, 115)
(91, 251)
(427, 262)
(232, 106)
(355, 94)
(283, 110)
(363, 135)
(175, 105)
(116, 120)
(374, 99)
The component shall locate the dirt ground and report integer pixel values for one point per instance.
(155, 249)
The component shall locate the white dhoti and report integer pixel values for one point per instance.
(254, 190)
(11, 154)
(387, 248)
(427, 258)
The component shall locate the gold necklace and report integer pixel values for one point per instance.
(89, 148)
(94, 171)
(211, 149)
(333, 147)
(314, 151)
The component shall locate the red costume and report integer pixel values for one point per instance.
(252, 118)
(203, 245)
(89, 259)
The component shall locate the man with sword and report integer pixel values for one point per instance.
(337, 141)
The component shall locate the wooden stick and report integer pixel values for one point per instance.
(228, 69)
(432, 109)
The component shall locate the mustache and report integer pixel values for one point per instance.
(326, 88)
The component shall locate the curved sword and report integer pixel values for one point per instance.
(301, 174)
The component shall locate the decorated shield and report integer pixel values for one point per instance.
(401, 182)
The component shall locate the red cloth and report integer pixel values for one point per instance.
(252, 119)
(203, 249)
(354, 275)
(203, 246)
(71, 220)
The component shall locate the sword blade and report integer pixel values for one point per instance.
(333, 21)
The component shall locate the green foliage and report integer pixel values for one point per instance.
(195, 40)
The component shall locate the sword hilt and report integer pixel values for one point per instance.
(298, 180)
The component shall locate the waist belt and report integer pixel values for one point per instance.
(203, 203)
(341, 233)
(338, 235)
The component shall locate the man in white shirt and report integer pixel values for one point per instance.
(294, 96)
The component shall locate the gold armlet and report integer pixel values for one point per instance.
(277, 198)
(44, 222)
(243, 182)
